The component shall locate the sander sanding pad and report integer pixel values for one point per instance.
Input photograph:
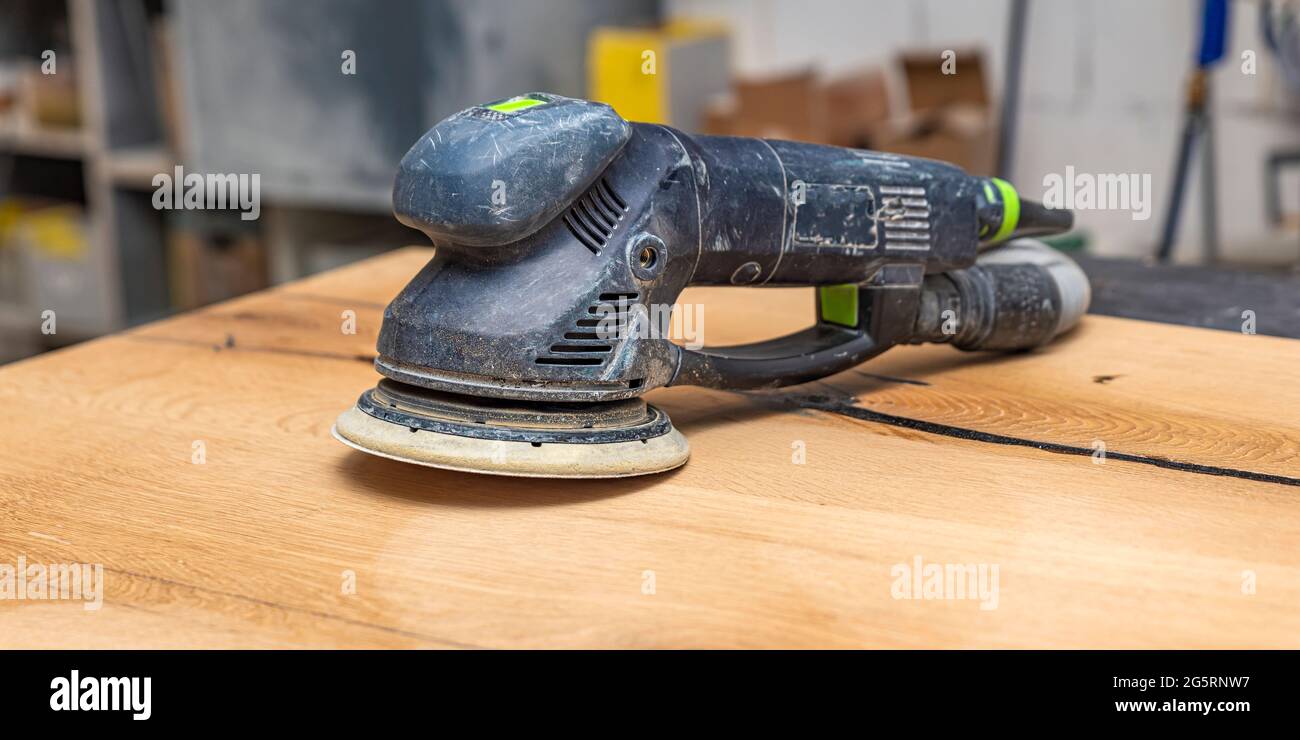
(609, 440)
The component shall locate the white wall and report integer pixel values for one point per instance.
(1102, 91)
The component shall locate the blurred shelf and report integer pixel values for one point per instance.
(20, 137)
(136, 167)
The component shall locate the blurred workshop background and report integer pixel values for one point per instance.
(98, 97)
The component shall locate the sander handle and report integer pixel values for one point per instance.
(1017, 297)
(806, 355)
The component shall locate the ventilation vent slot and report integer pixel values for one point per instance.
(594, 217)
(592, 339)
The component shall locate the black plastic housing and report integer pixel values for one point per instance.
(560, 228)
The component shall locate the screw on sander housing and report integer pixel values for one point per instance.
(555, 220)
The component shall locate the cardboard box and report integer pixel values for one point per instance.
(212, 265)
(961, 135)
(791, 107)
(51, 101)
(929, 88)
(949, 116)
(857, 106)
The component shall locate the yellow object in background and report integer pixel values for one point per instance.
(50, 265)
(57, 232)
(11, 211)
(617, 73)
(663, 75)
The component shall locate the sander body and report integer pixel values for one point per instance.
(564, 235)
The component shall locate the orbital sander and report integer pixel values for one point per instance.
(525, 345)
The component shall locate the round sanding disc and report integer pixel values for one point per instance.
(364, 432)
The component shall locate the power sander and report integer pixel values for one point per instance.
(525, 345)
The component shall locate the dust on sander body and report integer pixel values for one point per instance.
(552, 213)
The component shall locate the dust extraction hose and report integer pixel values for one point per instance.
(1017, 296)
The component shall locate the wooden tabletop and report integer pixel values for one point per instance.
(192, 458)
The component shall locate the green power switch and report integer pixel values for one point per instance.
(517, 103)
(839, 304)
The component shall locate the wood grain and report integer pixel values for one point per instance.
(746, 547)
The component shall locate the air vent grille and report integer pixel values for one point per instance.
(592, 339)
(594, 217)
